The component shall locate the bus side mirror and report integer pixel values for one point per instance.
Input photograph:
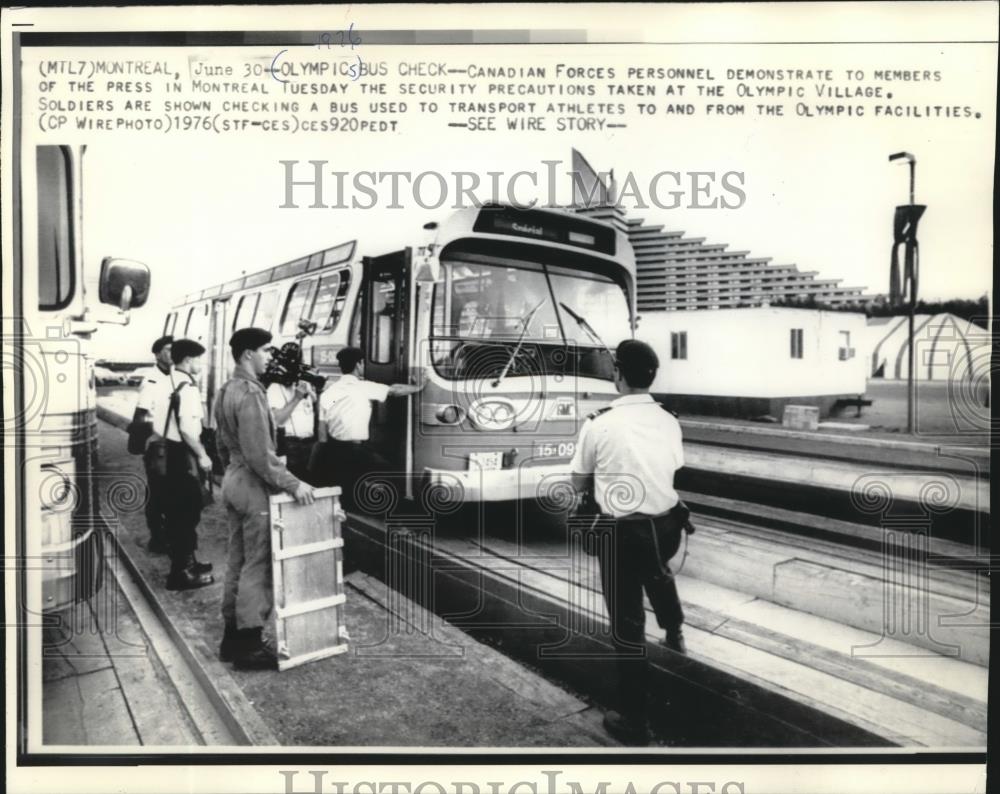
(124, 283)
(428, 271)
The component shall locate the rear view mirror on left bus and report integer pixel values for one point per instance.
(124, 283)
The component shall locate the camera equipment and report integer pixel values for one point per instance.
(286, 366)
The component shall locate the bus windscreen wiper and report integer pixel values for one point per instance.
(587, 329)
(517, 348)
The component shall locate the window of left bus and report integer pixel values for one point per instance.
(56, 267)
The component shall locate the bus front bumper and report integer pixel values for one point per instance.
(475, 485)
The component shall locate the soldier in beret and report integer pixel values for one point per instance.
(145, 410)
(187, 462)
(246, 441)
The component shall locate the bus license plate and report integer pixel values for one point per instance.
(486, 461)
(554, 449)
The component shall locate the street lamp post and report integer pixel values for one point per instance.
(905, 234)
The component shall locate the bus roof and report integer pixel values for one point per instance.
(336, 255)
(468, 219)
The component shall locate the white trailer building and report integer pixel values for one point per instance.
(752, 362)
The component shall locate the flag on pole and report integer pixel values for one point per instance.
(589, 189)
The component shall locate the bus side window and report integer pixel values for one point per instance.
(299, 296)
(206, 321)
(197, 325)
(168, 325)
(266, 308)
(189, 324)
(330, 298)
(244, 311)
(55, 228)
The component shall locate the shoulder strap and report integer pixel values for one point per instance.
(599, 411)
(174, 407)
(607, 408)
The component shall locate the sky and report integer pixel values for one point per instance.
(201, 209)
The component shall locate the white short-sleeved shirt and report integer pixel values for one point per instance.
(345, 406)
(300, 423)
(632, 450)
(150, 387)
(157, 401)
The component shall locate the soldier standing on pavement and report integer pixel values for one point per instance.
(146, 411)
(628, 453)
(246, 440)
(187, 462)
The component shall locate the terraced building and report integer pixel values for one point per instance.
(677, 273)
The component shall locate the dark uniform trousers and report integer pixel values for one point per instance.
(345, 463)
(633, 556)
(157, 497)
(298, 453)
(182, 504)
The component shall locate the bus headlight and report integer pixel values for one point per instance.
(450, 414)
(492, 414)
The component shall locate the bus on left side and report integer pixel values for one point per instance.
(48, 361)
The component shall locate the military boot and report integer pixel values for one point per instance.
(183, 576)
(674, 641)
(253, 654)
(230, 645)
(200, 567)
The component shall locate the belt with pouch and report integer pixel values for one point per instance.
(678, 515)
(678, 518)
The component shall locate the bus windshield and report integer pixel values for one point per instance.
(483, 310)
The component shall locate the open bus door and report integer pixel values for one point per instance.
(385, 340)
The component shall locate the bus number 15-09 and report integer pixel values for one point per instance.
(564, 449)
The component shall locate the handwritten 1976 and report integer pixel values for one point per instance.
(344, 38)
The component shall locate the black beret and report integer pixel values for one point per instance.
(348, 357)
(161, 343)
(248, 339)
(185, 348)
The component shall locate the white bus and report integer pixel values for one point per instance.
(48, 364)
(488, 304)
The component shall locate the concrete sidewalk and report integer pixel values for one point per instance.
(408, 680)
(103, 685)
